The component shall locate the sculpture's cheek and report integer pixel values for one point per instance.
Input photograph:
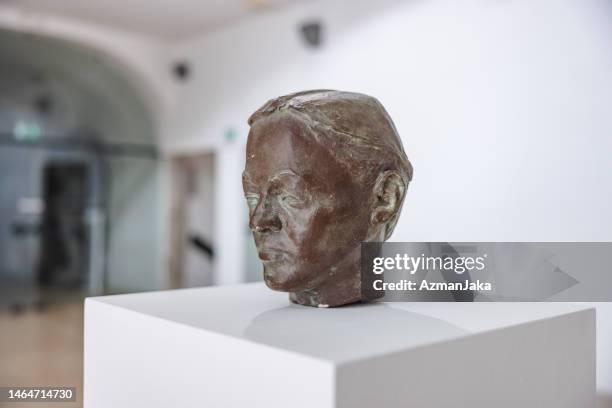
(299, 221)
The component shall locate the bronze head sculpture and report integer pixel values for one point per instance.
(325, 171)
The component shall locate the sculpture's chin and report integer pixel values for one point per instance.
(275, 285)
(281, 280)
(276, 280)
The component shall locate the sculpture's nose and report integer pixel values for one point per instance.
(265, 218)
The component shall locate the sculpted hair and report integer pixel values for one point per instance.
(355, 128)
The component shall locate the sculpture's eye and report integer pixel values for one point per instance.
(252, 199)
(290, 201)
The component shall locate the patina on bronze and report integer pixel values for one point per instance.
(325, 171)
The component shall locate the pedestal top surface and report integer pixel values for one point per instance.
(253, 312)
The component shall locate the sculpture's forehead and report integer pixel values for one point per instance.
(277, 128)
(284, 145)
(279, 145)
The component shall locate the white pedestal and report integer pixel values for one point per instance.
(246, 346)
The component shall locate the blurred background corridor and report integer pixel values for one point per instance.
(123, 128)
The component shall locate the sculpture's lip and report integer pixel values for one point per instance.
(272, 254)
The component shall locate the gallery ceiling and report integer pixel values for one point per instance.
(167, 19)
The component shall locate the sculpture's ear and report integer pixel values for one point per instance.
(388, 190)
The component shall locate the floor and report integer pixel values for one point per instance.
(43, 346)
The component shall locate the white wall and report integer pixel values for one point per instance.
(134, 262)
(229, 217)
(503, 107)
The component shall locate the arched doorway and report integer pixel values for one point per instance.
(79, 173)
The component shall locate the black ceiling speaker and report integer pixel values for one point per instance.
(181, 70)
(312, 33)
(43, 104)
